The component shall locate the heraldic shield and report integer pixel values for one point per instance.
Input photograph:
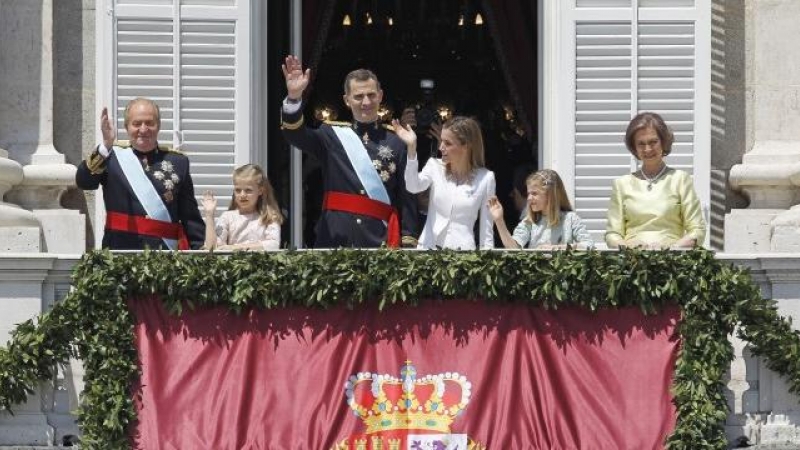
(408, 413)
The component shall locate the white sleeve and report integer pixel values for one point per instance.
(272, 237)
(486, 228)
(104, 152)
(221, 227)
(417, 181)
(291, 107)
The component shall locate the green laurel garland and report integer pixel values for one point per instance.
(94, 324)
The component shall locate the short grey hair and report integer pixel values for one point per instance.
(145, 101)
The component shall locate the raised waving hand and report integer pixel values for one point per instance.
(407, 135)
(296, 79)
(108, 129)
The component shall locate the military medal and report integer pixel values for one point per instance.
(384, 152)
(168, 179)
(365, 138)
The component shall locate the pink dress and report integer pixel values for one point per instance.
(232, 227)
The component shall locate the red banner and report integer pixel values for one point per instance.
(444, 375)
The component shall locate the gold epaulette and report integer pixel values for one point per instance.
(408, 242)
(292, 125)
(169, 149)
(161, 147)
(388, 126)
(335, 123)
(96, 163)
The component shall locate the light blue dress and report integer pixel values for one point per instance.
(570, 230)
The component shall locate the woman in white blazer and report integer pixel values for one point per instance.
(460, 186)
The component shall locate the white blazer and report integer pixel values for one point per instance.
(453, 208)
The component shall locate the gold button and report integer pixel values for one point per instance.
(362, 192)
(358, 221)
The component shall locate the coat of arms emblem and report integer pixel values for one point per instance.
(408, 413)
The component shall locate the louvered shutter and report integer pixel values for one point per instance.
(193, 58)
(629, 56)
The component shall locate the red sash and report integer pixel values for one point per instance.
(359, 204)
(147, 227)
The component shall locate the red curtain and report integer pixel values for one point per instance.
(511, 377)
(513, 24)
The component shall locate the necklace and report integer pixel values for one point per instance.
(459, 179)
(654, 179)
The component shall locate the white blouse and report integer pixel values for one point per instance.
(453, 208)
(232, 227)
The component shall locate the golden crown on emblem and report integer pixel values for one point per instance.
(430, 403)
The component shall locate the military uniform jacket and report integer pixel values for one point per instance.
(388, 155)
(169, 173)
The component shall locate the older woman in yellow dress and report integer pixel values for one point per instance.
(656, 206)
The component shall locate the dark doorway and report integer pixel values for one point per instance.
(463, 57)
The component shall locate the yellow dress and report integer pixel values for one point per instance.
(662, 215)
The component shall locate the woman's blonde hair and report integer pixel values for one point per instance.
(468, 132)
(557, 199)
(267, 206)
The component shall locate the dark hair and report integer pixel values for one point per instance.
(145, 101)
(649, 120)
(360, 75)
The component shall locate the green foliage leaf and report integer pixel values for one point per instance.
(93, 323)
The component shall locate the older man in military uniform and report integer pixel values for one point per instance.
(147, 189)
(362, 163)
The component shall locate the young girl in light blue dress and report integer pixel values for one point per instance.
(550, 222)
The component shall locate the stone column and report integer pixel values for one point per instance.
(770, 172)
(19, 228)
(46, 176)
(21, 287)
(769, 176)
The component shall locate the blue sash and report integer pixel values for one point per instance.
(359, 158)
(143, 189)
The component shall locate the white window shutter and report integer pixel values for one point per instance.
(193, 58)
(603, 102)
(629, 56)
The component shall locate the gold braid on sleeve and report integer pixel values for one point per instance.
(96, 163)
(294, 125)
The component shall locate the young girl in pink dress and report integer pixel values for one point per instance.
(253, 221)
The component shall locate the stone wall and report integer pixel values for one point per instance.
(41, 68)
(772, 70)
(763, 412)
(766, 91)
(728, 108)
(29, 285)
(74, 111)
(20, 33)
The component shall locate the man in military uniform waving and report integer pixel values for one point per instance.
(147, 189)
(363, 164)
